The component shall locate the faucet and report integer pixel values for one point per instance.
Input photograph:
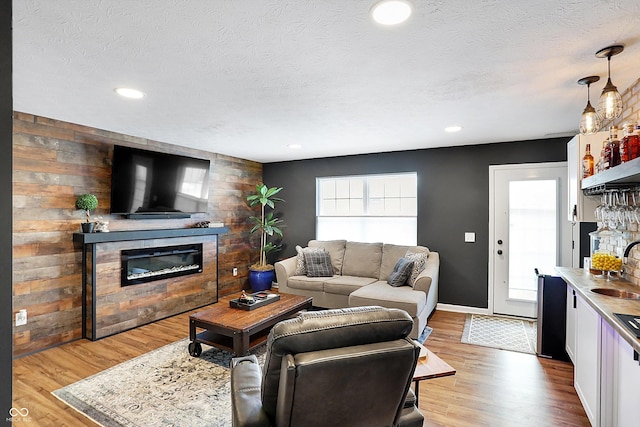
(628, 249)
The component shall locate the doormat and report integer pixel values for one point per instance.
(165, 387)
(504, 333)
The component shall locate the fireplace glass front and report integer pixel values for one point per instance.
(150, 264)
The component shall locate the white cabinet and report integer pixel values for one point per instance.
(581, 207)
(570, 343)
(620, 381)
(587, 359)
(627, 390)
(606, 367)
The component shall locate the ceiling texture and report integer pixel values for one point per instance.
(247, 78)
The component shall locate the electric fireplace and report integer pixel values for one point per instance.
(150, 264)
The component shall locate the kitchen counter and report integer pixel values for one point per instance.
(582, 281)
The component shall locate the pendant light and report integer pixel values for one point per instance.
(610, 103)
(589, 122)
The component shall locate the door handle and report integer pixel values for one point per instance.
(499, 251)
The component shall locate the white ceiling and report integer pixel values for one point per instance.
(246, 78)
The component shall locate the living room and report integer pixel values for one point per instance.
(54, 160)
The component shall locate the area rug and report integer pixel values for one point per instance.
(165, 387)
(500, 332)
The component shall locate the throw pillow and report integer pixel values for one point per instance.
(419, 261)
(301, 267)
(401, 272)
(318, 263)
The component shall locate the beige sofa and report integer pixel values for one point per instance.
(360, 274)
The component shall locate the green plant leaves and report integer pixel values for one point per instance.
(266, 224)
(264, 196)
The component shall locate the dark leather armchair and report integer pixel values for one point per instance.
(344, 367)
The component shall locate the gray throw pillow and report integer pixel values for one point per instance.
(401, 272)
(301, 267)
(419, 262)
(318, 264)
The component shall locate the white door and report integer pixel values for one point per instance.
(528, 230)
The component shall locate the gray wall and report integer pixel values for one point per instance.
(453, 197)
(6, 126)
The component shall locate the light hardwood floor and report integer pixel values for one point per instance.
(491, 387)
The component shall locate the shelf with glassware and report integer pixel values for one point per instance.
(625, 175)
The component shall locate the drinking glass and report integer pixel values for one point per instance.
(636, 206)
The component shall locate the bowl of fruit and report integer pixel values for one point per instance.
(604, 263)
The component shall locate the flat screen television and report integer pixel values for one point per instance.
(150, 184)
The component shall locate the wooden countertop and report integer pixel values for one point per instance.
(582, 281)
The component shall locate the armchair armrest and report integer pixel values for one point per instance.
(285, 269)
(246, 402)
(429, 274)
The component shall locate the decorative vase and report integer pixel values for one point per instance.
(261, 280)
(87, 227)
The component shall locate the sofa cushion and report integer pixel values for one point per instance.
(419, 262)
(344, 285)
(392, 253)
(301, 266)
(381, 293)
(318, 264)
(401, 272)
(335, 249)
(362, 259)
(305, 283)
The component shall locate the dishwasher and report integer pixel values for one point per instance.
(552, 320)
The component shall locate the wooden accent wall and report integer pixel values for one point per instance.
(53, 163)
(119, 308)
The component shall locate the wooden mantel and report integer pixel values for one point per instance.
(109, 308)
(119, 236)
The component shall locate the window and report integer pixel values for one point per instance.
(533, 223)
(193, 182)
(368, 208)
(140, 191)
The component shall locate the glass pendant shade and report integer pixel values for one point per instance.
(610, 102)
(590, 121)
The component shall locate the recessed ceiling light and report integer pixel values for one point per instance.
(391, 12)
(294, 146)
(129, 93)
(452, 129)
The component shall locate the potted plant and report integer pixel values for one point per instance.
(262, 274)
(87, 203)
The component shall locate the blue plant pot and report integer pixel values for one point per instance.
(261, 280)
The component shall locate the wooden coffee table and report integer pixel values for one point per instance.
(432, 367)
(238, 330)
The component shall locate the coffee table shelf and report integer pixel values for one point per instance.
(237, 330)
(226, 343)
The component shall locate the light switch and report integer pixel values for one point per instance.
(469, 237)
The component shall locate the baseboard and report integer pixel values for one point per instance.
(462, 309)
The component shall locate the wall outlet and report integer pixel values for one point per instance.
(469, 237)
(21, 317)
(235, 271)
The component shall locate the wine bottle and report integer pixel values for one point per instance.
(587, 163)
